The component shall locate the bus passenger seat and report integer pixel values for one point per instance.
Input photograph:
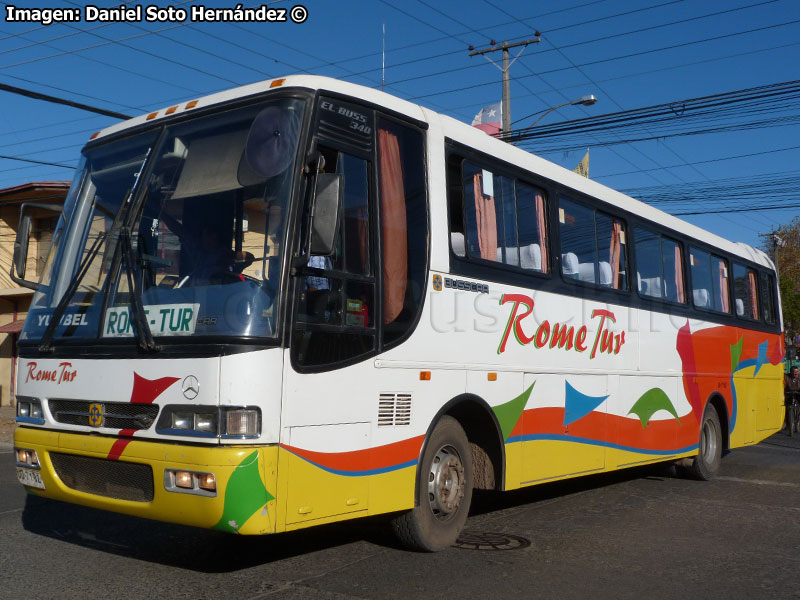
(586, 272)
(701, 297)
(569, 264)
(530, 257)
(605, 273)
(739, 307)
(457, 243)
(511, 257)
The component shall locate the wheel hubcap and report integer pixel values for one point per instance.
(709, 441)
(445, 482)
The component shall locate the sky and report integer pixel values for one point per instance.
(629, 53)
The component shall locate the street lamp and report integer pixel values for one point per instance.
(587, 100)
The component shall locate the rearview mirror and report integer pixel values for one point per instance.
(21, 245)
(328, 200)
(20, 260)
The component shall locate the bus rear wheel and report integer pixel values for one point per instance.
(706, 464)
(444, 491)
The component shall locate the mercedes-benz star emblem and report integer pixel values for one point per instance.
(191, 387)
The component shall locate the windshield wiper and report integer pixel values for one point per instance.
(143, 333)
(46, 343)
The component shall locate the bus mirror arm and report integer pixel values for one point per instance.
(323, 216)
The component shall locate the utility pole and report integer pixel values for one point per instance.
(505, 47)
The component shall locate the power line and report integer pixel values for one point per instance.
(38, 162)
(749, 101)
(612, 59)
(47, 98)
(600, 39)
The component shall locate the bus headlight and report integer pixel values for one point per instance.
(207, 421)
(181, 419)
(29, 410)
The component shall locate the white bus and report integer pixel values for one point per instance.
(303, 301)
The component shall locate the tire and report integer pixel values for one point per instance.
(706, 464)
(444, 484)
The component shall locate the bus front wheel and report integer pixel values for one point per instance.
(706, 464)
(444, 491)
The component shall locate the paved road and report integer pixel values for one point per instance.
(642, 533)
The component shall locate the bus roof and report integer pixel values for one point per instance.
(460, 132)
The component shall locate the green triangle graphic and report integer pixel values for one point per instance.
(736, 353)
(651, 402)
(508, 414)
(244, 495)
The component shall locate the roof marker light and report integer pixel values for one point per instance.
(277, 83)
(191, 104)
(152, 116)
(171, 109)
(94, 135)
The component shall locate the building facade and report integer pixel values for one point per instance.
(15, 299)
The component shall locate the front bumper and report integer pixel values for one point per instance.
(246, 478)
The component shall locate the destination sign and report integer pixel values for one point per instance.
(163, 319)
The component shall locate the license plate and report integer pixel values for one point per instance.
(30, 478)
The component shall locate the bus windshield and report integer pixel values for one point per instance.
(179, 229)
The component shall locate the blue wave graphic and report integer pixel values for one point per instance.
(577, 440)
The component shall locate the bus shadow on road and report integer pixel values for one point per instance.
(209, 551)
(485, 502)
(184, 547)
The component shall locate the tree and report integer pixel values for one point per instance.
(784, 242)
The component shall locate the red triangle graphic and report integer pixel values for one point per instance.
(147, 390)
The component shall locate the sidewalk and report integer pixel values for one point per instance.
(7, 414)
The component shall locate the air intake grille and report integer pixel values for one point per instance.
(116, 415)
(109, 478)
(394, 410)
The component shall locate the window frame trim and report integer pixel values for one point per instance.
(654, 231)
(588, 284)
(469, 259)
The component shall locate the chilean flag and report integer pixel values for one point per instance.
(489, 119)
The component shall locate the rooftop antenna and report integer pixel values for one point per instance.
(383, 58)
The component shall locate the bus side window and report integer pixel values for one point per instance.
(490, 215)
(659, 266)
(578, 242)
(611, 242)
(709, 281)
(336, 295)
(532, 229)
(745, 292)
(403, 226)
(766, 285)
(455, 202)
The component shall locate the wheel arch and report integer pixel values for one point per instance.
(718, 402)
(485, 437)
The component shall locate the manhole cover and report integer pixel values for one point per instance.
(487, 540)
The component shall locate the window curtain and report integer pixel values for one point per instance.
(751, 284)
(679, 275)
(540, 221)
(486, 218)
(393, 226)
(723, 287)
(615, 253)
